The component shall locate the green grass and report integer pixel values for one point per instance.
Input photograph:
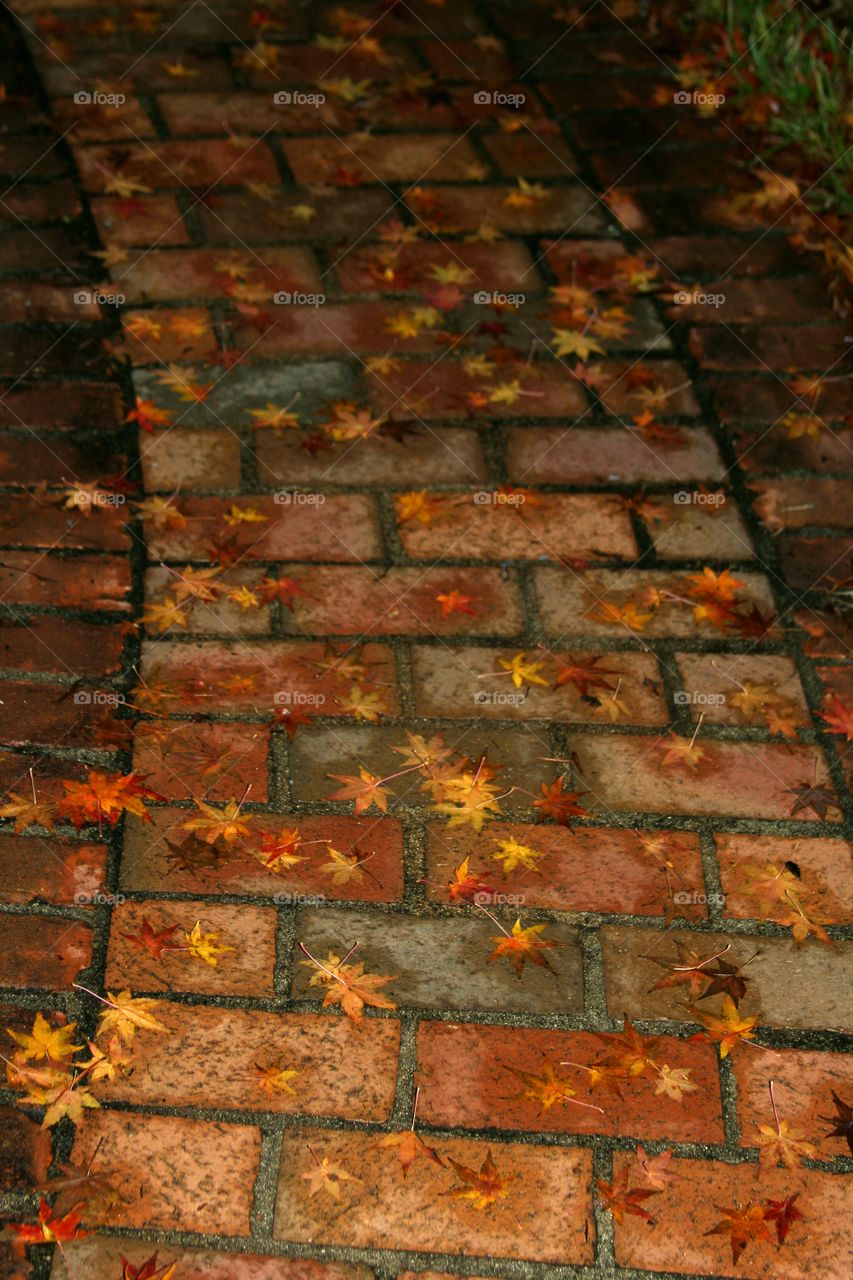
(800, 56)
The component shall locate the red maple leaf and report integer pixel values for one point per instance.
(838, 716)
(559, 804)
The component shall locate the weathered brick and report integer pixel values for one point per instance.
(388, 159)
(549, 1196)
(591, 455)
(100, 1258)
(88, 582)
(823, 866)
(40, 951)
(247, 969)
(789, 986)
(467, 1076)
(61, 872)
(188, 1175)
(431, 455)
(443, 963)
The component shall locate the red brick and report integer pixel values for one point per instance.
(441, 390)
(815, 347)
(90, 582)
(592, 455)
(33, 303)
(37, 951)
(313, 62)
(791, 503)
(704, 257)
(155, 219)
(245, 970)
(725, 675)
(335, 328)
(241, 217)
(216, 678)
(792, 301)
(27, 460)
(211, 1056)
(90, 122)
(359, 601)
(824, 889)
(741, 779)
(811, 564)
(506, 266)
(567, 599)
(39, 524)
(164, 275)
(187, 1175)
(435, 455)
(216, 617)
(217, 761)
(46, 203)
(691, 1207)
(470, 681)
(467, 1078)
(792, 986)
(549, 1196)
(803, 1086)
(591, 869)
(555, 526)
(435, 157)
(342, 528)
(25, 1151)
(531, 156)
(61, 872)
(190, 114)
(100, 1258)
(50, 715)
(169, 344)
(62, 407)
(763, 398)
(562, 209)
(155, 861)
(618, 398)
(60, 646)
(466, 60)
(171, 164)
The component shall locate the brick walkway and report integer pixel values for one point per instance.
(407, 543)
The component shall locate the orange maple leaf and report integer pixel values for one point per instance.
(522, 945)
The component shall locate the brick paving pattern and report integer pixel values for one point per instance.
(423, 512)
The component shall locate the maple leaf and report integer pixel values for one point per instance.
(48, 1228)
(275, 1079)
(104, 798)
(275, 418)
(583, 675)
(45, 1041)
(204, 946)
(465, 885)
(365, 790)
(522, 672)
(27, 812)
(626, 615)
(838, 716)
(777, 891)
(709, 585)
(482, 1187)
(219, 824)
(125, 1014)
(149, 940)
(363, 705)
(618, 1200)
(741, 1225)
(842, 1120)
(511, 854)
(349, 985)
(282, 589)
(342, 867)
(79, 1185)
(525, 195)
(783, 1145)
(812, 796)
(726, 1030)
(328, 1176)
(410, 1147)
(558, 804)
(673, 1081)
(783, 1213)
(678, 750)
(161, 617)
(64, 1101)
(629, 1051)
(655, 1169)
(547, 1089)
(753, 698)
(455, 602)
(419, 505)
(148, 1271)
(571, 342)
(235, 516)
(522, 945)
